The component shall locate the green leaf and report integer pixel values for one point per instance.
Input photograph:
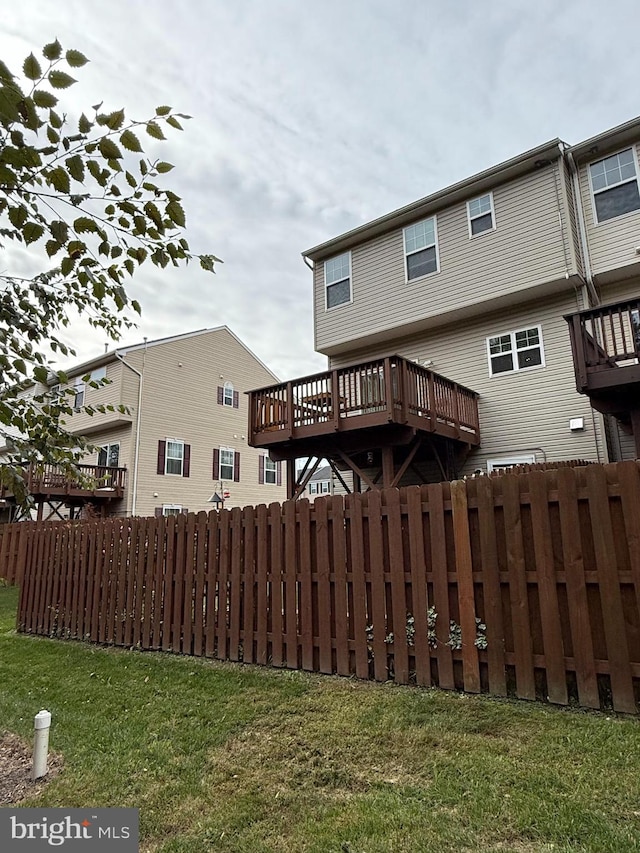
(136, 306)
(176, 213)
(44, 99)
(109, 149)
(116, 251)
(84, 225)
(75, 167)
(84, 125)
(163, 167)
(9, 100)
(173, 121)
(109, 210)
(59, 230)
(31, 68)
(20, 366)
(130, 266)
(76, 248)
(163, 111)
(32, 232)
(131, 180)
(52, 51)
(52, 135)
(55, 119)
(17, 216)
(143, 167)
(60, 80)
(40, 374)
(59, 179)
(52, 246)
(141, 224)
(154, 214)
(67, 265)
(130, 141)
(142, 254)
(154, 129)
(115, 120)
(99, 289)
(76, 59)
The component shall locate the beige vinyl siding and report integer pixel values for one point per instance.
(527, 249)
(525, 412)
(180, 384)
(612, 243)
(621, 290)
(117, 393)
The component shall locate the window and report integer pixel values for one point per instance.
(171, 509)
(174, 458)
(480, 215)
(506, 462)
(270, 471)
(227, 394)
(421, 248)
(98, 374)
(226, 463)
(78, 399)
(319, 487)
(109, 455)
(515, 351)
(337, 280)
(614, 184)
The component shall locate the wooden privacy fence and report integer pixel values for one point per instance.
(525, 585)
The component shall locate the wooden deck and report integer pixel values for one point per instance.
(371, 404)
(606, 354)
(49, 481)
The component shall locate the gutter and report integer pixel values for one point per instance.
(582, 231)
(136, 453)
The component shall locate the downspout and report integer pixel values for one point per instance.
(136, 452)
(582, 231)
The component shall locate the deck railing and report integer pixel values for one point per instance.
(603, 338)
(384, 390)
(96, 479)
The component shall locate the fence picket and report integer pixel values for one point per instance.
(249, 581)
(323, 583)
(276, 565)
(419, 597)
(439, 571)
(291, 585)
(262, 542)
(235, 581)
(339, 549)
(358, 584)
(573, 563)
(466, 595)
(391, 497)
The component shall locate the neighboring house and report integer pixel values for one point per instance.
(473, 283)
(320, 483)
(181, 439)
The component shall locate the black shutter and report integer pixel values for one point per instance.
(236, 467)
(236, 399)
(261, 469)
(216, 464)
(186, 464)
(220, 395)
(162, 449)
(158, 512)
(278, 473)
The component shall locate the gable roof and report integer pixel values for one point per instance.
(121, 352)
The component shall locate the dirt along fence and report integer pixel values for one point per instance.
(526, 584)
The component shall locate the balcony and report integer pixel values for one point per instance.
(606, 355)
(384, 403)
(50, 482)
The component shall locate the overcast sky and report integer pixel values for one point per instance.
(311, 117)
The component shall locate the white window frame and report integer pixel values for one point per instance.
(514, 350)
(471, 219)
(79, 391)
(407, 253)
(227, 464)
(510, 461)
(98, 374)
(328, 284)
(107, 449)
(167, 457)
(171, 509)
(227, 389)
(270, 470)
(313, 488)
(594, 193)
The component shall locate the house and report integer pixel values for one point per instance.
(320, 483)
(173, 436)
(445, 325)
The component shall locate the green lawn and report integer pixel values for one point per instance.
(232, 758)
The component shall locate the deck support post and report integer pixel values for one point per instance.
(635, 423)
(388, 470)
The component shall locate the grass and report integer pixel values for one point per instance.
(232, 758)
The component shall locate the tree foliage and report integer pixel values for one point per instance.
(80, 195)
